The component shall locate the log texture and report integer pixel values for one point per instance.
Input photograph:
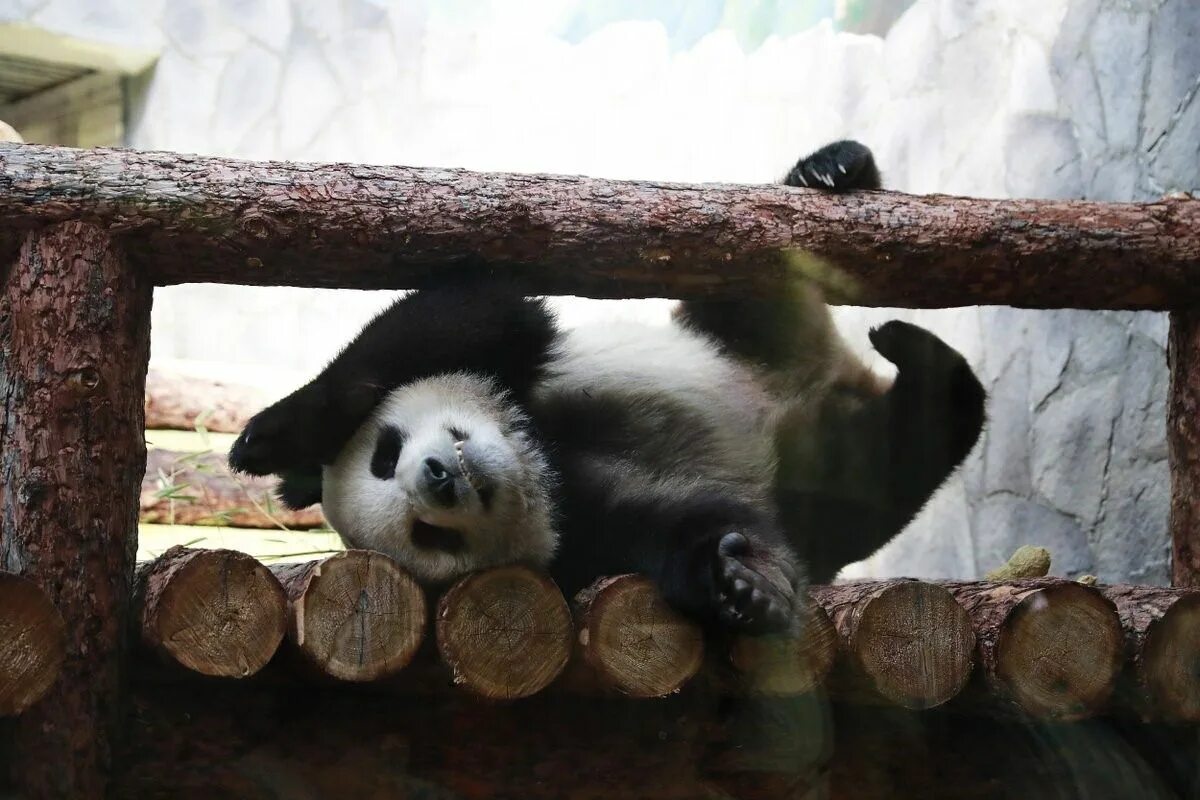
(33, 643)
(190, 218)
(74, 341)
(200, 489)
(1052, 647)
(1183, 446)
(181, 402)
(910, 640)
(632, 640)
(505, 633)
(354, 616)
(214, 612)
(1162, 638)
(785, 665)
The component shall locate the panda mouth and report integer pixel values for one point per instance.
(432, 537)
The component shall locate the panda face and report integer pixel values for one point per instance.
(446, 479)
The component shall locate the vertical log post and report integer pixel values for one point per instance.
(1183, 446)
(74, 342)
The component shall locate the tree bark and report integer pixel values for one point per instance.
(1162, 643)
(1183, 446)
(354, 616)
(1053, 647)
(214, 612)
(74, 341)
(181, 402)
(199, 489)
(505, 633)
(190, 218)
(910, 640)
(33, 643)
(632, 641)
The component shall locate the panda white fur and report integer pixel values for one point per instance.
(725, 455)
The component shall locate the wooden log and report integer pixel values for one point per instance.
(632, 641)
(74, 341)
(200, 489)
(33, 643)
(910, 640)
(1183, 446)
(504, 633)
(215, 612)
(785, 665)
(354, 616)
(1162, 639)
(1053, 647)
(181, 402)
(191, 218)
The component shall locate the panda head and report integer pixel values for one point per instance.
(446, 478)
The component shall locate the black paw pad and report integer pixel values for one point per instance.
(746, 599)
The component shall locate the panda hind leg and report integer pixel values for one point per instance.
(735, 577)
(756, 595)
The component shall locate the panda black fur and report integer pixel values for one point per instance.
(725, 455)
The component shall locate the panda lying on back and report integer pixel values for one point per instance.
(725, 455)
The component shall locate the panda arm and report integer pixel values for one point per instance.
(781, 333)
(849, 480)
(482, 328)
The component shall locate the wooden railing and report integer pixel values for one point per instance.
(86, 235)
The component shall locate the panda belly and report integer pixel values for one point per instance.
(663, 399)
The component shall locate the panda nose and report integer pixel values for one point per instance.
(439, 482)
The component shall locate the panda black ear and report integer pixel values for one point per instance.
(359, 399)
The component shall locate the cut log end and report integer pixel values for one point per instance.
(355, 616)
(215, 612)
(1162, 640)
(910, 641)
(505, 633)
(1059, 651)
(915, 643)
(786, 665)
(33, 643)
(633, 641)
(1170, 661)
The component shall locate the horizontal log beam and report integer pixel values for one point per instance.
(183, 402)
(1044, 648)
(200, 489)
(188, 218)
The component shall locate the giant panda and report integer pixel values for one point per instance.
(730, 455)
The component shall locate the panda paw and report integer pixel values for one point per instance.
(747, 600)
(918, 352)
(839, 167)
(908, 346)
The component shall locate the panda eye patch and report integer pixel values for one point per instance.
(387, 452)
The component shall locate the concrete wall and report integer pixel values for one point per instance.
(1055, 98)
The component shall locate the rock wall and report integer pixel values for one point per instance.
(1053, 98)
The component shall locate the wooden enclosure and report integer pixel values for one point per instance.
(206, 674)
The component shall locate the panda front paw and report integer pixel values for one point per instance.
(748, 600)
(843, 166)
